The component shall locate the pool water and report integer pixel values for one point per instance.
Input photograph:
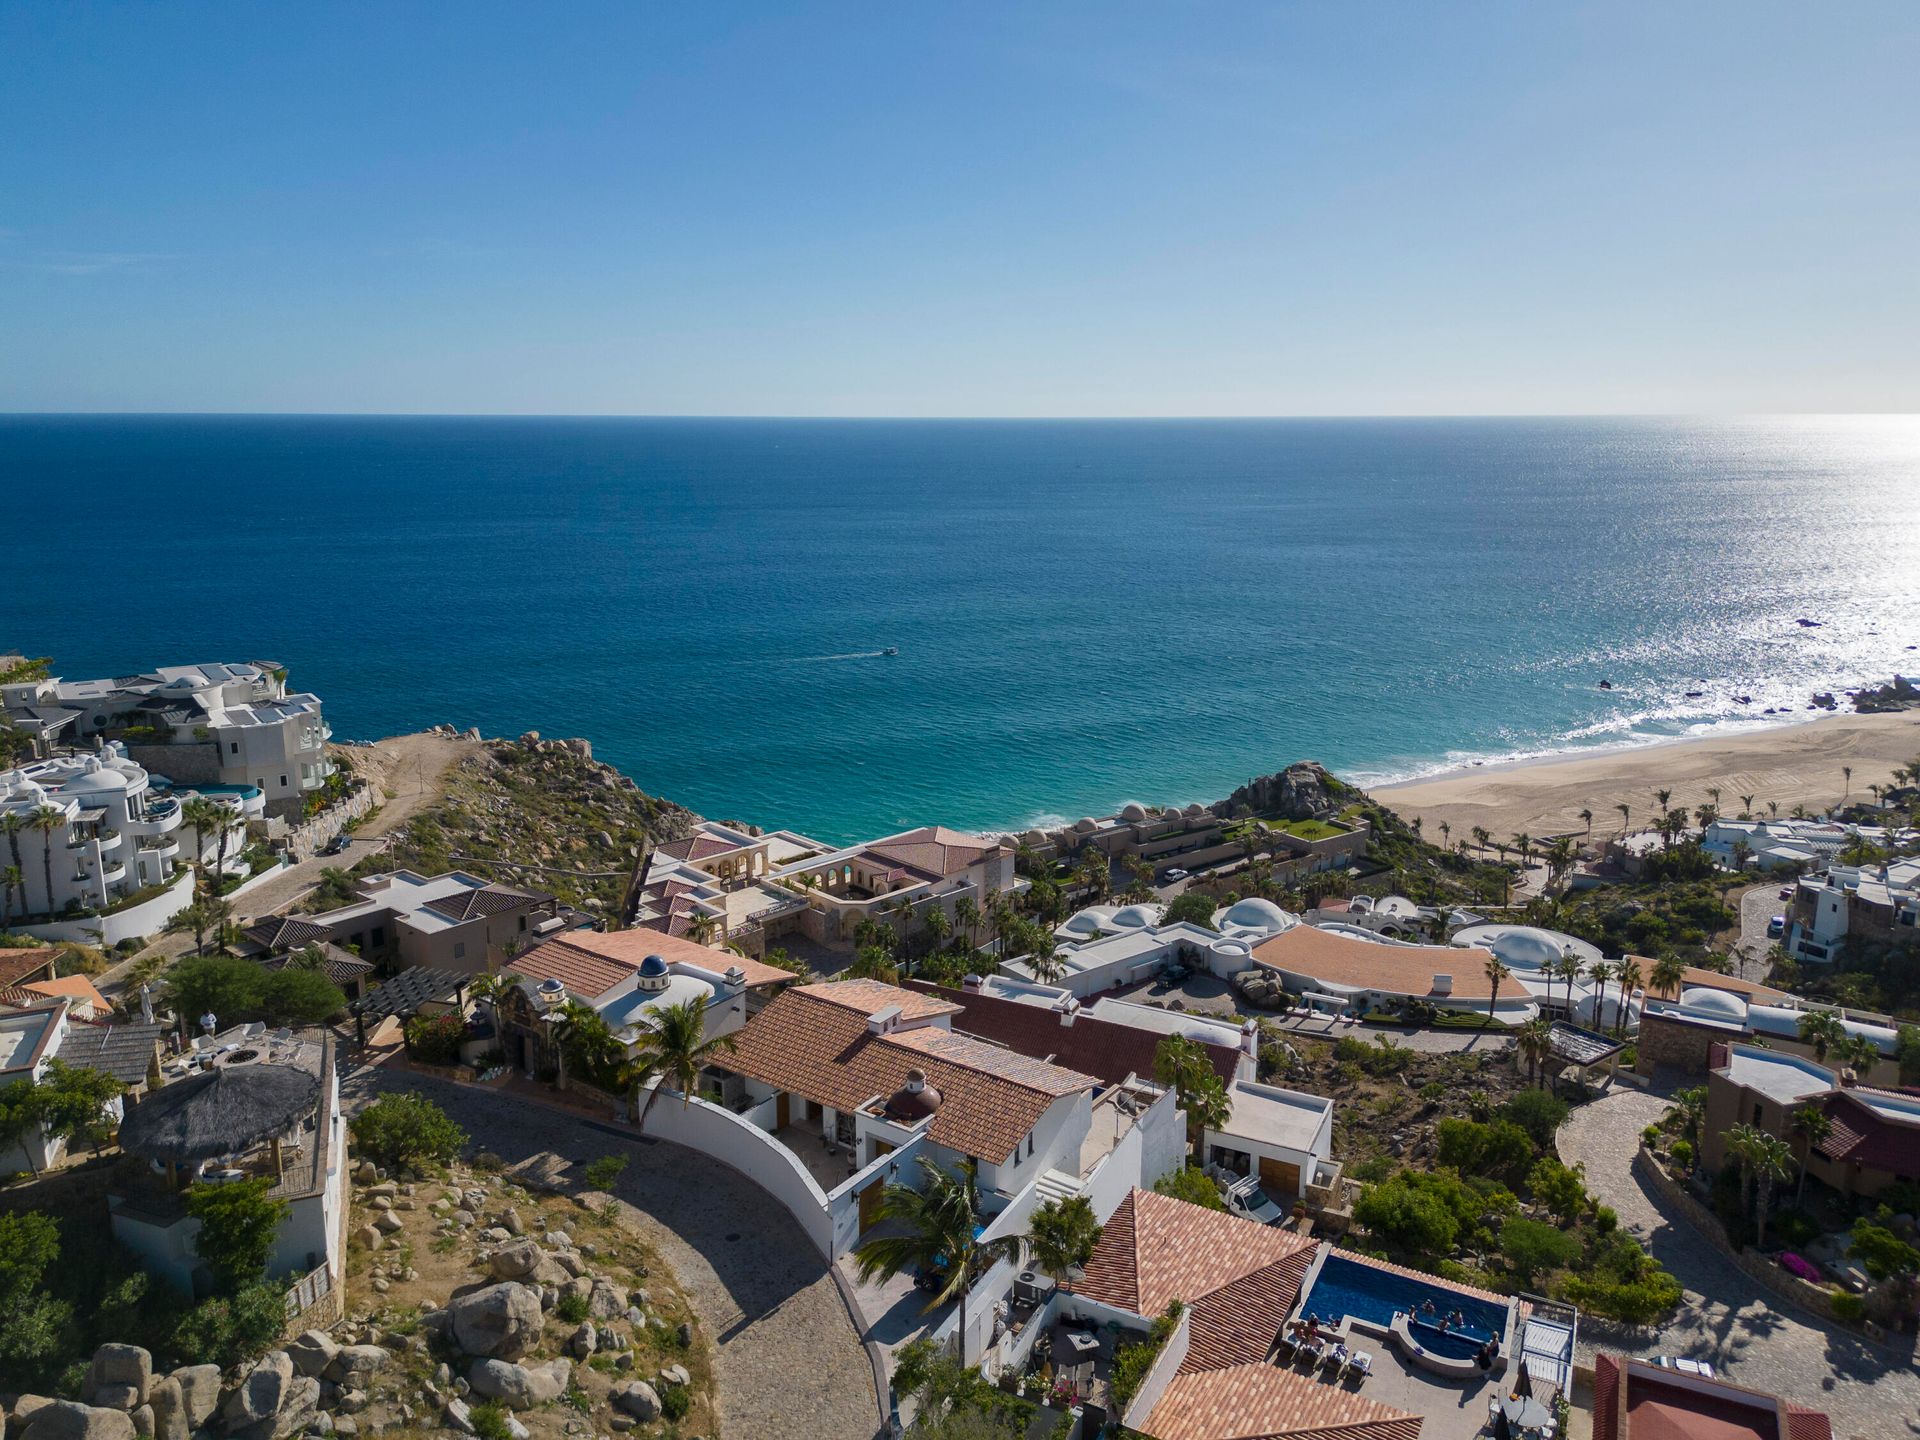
(1347, 1288)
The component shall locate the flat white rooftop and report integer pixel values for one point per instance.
(1270, 1115)
(1785, 1078)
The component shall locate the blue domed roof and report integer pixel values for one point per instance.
(653, 965)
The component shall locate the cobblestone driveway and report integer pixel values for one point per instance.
(1726, 1316)
(788, 1357)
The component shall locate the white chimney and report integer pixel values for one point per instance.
(1250, 1038)
(1069, 1011)
(735, 977)
(1443, 985)
(973, 982)
(882, 1022)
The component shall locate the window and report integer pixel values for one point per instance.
(283, 782)
(233, 747)
(523, 922)
(379, 936)
(261, 782)
(459, 949)
(1756, 1114)
(1029, 1144)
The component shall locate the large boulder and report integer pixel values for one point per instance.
(520, 1386)
(121, 1368)
(501, 1320)
(199, 1392)
(313, 1352)
(64, 1420)
(1304, 791)
(353, 1363)
(516, 1260)
(272, 1402)
(169, 1404)
(605, 1301)
(638, 1399)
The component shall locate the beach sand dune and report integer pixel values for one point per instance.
(1788, 765)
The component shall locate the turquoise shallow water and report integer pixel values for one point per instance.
(1086, 612)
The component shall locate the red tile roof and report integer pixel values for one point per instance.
(1099, 1047)
(1863, 1136)
(697, 847)
(485, 900)
(1154, 1249)
(823, 1051)
(870, 997)
(584, 973)
(1336, 959)
(630, 947)
(933, 849)
(1631, 1400)
(1269, 1402)
(19, 966)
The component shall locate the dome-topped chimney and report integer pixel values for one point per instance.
(913, 1101)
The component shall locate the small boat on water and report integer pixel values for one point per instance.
(891, 650)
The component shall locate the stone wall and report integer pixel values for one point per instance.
(1675, 1044)
(304, 840)
(1817, 1300)
(192, 764)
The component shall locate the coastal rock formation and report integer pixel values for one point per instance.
(1302, 791)
(1902, 694)
(501, 1321)
(65, 1420)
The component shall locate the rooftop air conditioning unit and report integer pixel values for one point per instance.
(1030, 1287)
(548, 925)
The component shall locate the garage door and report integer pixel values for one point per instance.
(1279, 1178)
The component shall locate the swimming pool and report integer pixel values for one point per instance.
(1346, 1287)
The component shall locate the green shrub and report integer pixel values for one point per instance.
(603, 1174)
(490, 1421)
(1650, 1134)
(1132, 1362)
(1683, 1154)
(1382, 1058)
(238, 1225)
(1190, 1183)
(407, 1129)
(572, 1308)
(436, 1039)
(1536, 1112)
(1848, 1308)
(675, 1401)
(1502, 1149)
(1533, 1246)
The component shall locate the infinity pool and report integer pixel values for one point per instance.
(1346, 1287)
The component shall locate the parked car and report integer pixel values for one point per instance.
(1176, 873)
(338, 845)
(1246, 1199)
(1776, 927)
(1786, 892)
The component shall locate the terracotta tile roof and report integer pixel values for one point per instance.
(1398, 969)
(1268, 1402)
(630, 947)
(822, 1051)
(870, 997)
(696, 848)
(1862, 1135)
(1099, 1047)
(16, 998)
(933, 849)
(1154, 1249)
(1632, 1401)
(584, 973)
(1805, 1424)
(1237, 1324)
(993, 1060)
(19, 966)
(72, 987)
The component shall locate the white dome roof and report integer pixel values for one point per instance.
(1133, 917)
(1254, 913)
(1035, 837)
(1524, 947)
(1086, 921)
(1718, 1003)
(1133, 812)
(1085, 825)
(1196, 808)
(97, 777)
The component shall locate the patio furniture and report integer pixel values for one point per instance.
(1334, 1358)
(1361, 1365)
(1524, 1412)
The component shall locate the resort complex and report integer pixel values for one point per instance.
(1268, 1119)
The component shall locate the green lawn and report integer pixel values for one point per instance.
(1306, 829)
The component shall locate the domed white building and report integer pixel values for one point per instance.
(1253, 919)
(658, 987)
(1527, 947)
(1135, 917)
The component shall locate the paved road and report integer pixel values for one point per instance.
(1726, 1316)
(1757, 906)
(788, 1357)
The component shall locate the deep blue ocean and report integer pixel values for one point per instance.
(1086, 612)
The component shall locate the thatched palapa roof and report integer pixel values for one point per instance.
(219, 1112)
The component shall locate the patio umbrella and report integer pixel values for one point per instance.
(1502, 1427)
(1525, 1387)
(219, 1112)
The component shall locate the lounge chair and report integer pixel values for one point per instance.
(1361, 1365)
(1335, 1359)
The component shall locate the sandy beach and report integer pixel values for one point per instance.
(1789, 765)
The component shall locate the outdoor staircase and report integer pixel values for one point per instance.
(1058, 1185)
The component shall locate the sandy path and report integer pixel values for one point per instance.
(1791, 765)
(413, 768)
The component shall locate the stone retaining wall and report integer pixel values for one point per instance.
(1817, 1300)
(304, 840)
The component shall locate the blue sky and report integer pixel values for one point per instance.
(965, 209)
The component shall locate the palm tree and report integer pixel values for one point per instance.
(1446, 835)
(1773, 809)
(1668, 972)
(12, 823)
(47, 819)
(1772, 1163)
(1691, 1106)
(1822, 1030)
(1586, 819)
(1630, 978)
(1534, 1041)
(222, 832)
(1496, 972)
(1713, 795)
(1043, 960)
(966, 910)
(701, 928)
(1742, 1150)
(1569, 969)
(1811, 1126)
(1599, 972)
(1846, 772)
(674, 1048)
(938, 1228)
(938, 925)
(1663, 796)
(1626, 815)
(14, 880)
(1481, 837)
(1746, 806)
(1061, 1235)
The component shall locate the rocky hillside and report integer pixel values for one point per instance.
(543, 813)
